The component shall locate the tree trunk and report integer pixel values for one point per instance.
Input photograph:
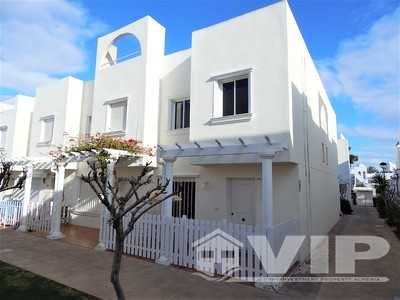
(117, 259)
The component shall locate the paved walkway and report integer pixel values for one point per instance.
(88, 270)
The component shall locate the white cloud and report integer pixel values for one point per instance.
(366, 69)
(43, 40)
(370, 132)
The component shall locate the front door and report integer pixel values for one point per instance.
(242, 194)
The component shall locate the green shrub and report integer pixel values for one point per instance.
(381, 206)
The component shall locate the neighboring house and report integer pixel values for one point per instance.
(344, 168)
(242, 118)
(15, 121)
(359, 175)
(15, 118)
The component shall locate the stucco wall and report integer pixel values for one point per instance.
(252, 41)
(136, 79)
(18, 121)
(61, 99)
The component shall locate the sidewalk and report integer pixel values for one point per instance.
(88, 270)
(364, 221)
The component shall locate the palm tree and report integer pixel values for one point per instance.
(380, 183)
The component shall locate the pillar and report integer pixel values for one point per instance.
(166, 206)
(27, 197)
(267, 195)
(268, 209)
(57, 203)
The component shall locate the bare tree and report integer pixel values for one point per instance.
(120, 206)
(6, 168)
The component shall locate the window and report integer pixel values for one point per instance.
(188, 194)
(235, 97)
(88, 124)
(46, 129)
(327, 161)
(232, 97)
(180, 114)
(116, 116)
(3, 137)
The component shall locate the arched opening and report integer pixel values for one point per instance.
(124, 47)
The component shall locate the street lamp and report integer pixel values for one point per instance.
(383, 165)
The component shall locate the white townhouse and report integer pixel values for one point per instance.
(242, 121)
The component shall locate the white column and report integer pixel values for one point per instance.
(27, 197)
(166, 206)
(268, 210)
(57, 203)
(267, 195)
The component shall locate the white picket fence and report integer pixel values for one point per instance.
(178, 240)
(38, 217)
(10, 212)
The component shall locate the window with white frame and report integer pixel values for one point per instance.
(46, 129)
(232, 96)
(3, 137)
(116, 115)
(235, 97)
(180, 114)
(88, 124)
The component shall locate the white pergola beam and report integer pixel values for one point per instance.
(200, 150)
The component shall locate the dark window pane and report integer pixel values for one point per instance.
(228, 99)
(242, 96)
(178, 115)
(186, 121)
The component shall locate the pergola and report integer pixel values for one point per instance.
(265, 151)
(58, 167)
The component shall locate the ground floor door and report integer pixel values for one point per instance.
(241, 192)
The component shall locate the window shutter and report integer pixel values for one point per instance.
(48, 125)
(118, 116)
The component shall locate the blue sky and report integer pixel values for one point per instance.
(355, 45)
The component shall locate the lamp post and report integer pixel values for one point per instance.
(383, 165)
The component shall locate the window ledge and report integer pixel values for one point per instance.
(231, 119)
(115, 133)
(43, 144)
(180, 131)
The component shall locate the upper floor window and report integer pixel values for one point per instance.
(3, 137)
(116, 115)
(235, 97)
(88, 127)
(232, 97)
(180, 114)
(46, 129)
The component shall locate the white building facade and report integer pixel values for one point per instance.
(242, 118)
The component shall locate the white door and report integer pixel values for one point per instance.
(242, 194)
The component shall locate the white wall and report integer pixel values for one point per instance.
(136, 79)
(256, 40)
(15, 113)
(63, 100)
